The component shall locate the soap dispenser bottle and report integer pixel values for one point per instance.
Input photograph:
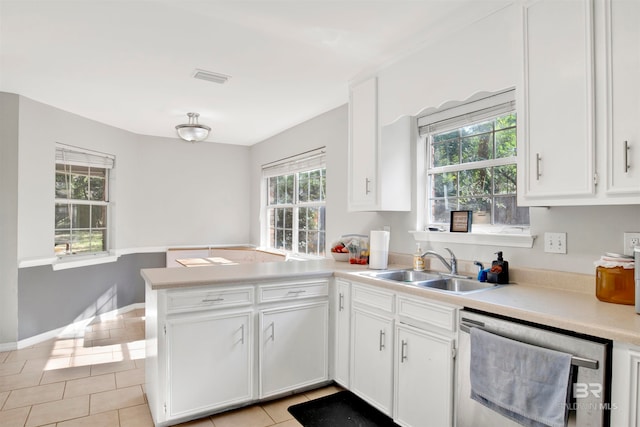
(418, 262)
(499, 272)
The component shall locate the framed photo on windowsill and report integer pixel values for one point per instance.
(460, 221)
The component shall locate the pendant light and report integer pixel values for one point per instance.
(193, 131)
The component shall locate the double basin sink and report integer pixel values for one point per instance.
(432, 280)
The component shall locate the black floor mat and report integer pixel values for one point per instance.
(339, 409)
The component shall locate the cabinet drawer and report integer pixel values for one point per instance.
(298, 290)
(211, 298)
(437, 315)
(372, 297)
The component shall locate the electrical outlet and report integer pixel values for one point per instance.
(555, 243)
(631, 239)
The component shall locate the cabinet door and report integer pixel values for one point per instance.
(623, 139)
(625, 385)
(294, 347)
(209, 362)
(371, 359)
(363, 142)
(556, 141)
(342, 332)
(423, 378)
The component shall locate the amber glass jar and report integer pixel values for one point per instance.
(615, 285)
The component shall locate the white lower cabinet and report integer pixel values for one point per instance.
(625, 385)
(342, 326)
(293, 347)
(423, 378)
(209, 358)
(372, 358)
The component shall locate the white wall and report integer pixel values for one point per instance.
(330, 130)
(166, 192)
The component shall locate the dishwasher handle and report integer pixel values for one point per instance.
(467, 324)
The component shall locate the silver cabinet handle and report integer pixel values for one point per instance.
(273, 331)
(627, 165)
(538, 160)
(403, 353)
(381, 340)
(213, 300)
(341, 303)
(296, 292)
(367, 190)
(242, 336)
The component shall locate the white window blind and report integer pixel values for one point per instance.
(74, 156)
(472, 112)
(310, 160)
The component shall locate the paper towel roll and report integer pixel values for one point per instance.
(378, 249)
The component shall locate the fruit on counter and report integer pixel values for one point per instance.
(341, 248)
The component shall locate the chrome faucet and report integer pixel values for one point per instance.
(452, 267)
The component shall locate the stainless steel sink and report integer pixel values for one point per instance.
(405, 275)
(432, 280)
(456, 285)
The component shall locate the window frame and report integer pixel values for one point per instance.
(482, 107)
(305, 162)
(74, 157)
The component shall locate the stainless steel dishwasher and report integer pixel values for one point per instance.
(590, 402)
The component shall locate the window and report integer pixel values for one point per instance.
(471, 162)
(295, 203)
(81, 201)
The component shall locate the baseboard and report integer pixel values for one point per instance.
(74, 330)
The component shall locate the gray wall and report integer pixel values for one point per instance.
(8, 217)
(48, 299)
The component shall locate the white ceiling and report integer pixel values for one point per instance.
(129, 63)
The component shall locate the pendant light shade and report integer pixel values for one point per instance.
(193, 131)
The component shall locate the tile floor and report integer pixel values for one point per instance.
(96, 378)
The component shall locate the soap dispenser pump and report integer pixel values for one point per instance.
(499, 272)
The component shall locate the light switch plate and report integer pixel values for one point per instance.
(555, 243)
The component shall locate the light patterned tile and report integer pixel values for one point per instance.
(107, 324)
(129, 378)
(116, 399)
(289, 423)
(11, 368)
(3, 398)
(252, 416)
(321, 392)
(90, 385)
(277, 409)
(65, 374)
(104, 419)
(58, 411)
(13, 382)
(202, 422)
(14, 417)
(34, 395)
(3, 356)
(136, 416)
(92, 359)
(48, 364)
(35, 353)
(108, 368)
(97, 335)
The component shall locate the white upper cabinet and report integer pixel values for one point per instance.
(379, 177)
(622, 123)
(579, 103)
(556, 139)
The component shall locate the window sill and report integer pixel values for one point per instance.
(58, 263)
(491, 239)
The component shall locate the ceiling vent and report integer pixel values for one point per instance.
(210, 76)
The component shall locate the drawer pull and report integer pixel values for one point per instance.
(242, 336)
(627, 165)
(403, 353)
(341, 303)
(367, 181)
(296, 292)
(538, 160)
(381, 340)
(213, 300)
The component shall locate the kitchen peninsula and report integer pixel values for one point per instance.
(298, 304)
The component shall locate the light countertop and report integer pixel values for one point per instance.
(560, 307)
